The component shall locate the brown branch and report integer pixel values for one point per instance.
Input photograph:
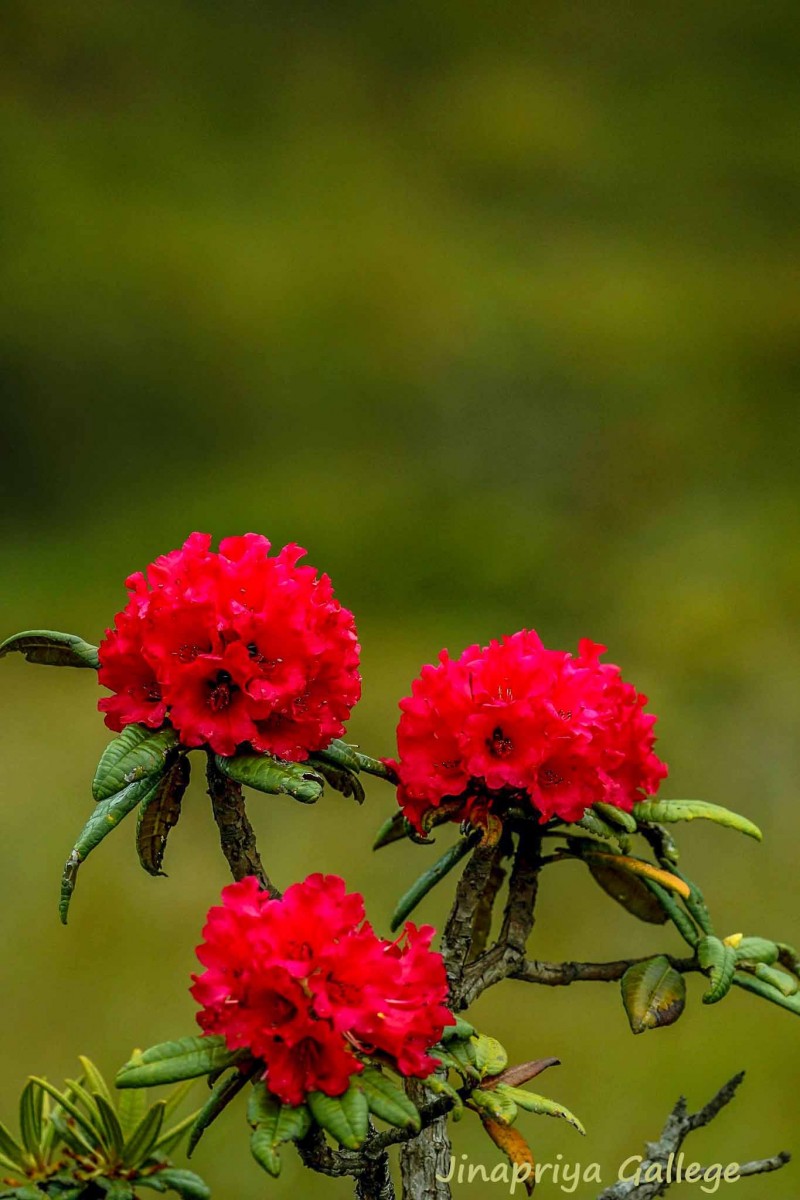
(477, 885)
(561, 974)
(508, 952)
(661, 1156)
(236, 835)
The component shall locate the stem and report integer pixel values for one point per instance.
(236, 835)
(561, 974)
(426, 1157)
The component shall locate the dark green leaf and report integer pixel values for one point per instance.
(339, 778)
(719, 963)
(654, 994)
(185, 1183)
(616, 816)
(10, 1147)
(461, 1030)
(52, 649)
(273, 775)
(345, 1117)
(68, 1105)
(679, 918)
(31, 1104)
(220, 1097)
(756, 949)
(170, 1062)
(435, 874)
(339, 754)
(664, 811)
(109, 1123)
(136, 753)
(140, 1144)
(631, 891)
(374, 766)
(160, 814)
(394, 829)
(105, 818)
(388, 1101)
(132, 1104)
(273, 1123)
(265, 1152)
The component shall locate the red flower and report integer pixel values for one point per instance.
(306, 985)
(233, 648)
(515, 721)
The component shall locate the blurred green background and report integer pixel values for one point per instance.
(494, 308)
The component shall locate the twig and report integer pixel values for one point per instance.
(656, 1172)
(236, 835)
(561, 974)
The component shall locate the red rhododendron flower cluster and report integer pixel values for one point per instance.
(233, 647)
(307, 987)
(515, 720)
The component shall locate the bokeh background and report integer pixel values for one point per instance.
(494, 308)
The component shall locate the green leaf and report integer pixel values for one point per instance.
(11, 1148)
(460, 1056)
(757, 949)
(388, 1101)
(719, 963)
(497, 1104)
(105, 818)
(64, 1102)
(435, 874)
(118, 1189)
(679, 918)
(344, 1117)
(631, 891)
(654, 994)
(52, 649)
(221, 1095)
(461, 1030)
(374, 766)
(616, 816)
(339, 778)
(31, 1104)
(665, 811)
(159, 814)
(787, 985)
(490, 1057)
(273, 775)
(394, 829)
(339, 754)
(273, 1123)
(530, 1102)
(441, 1087)
(265, 1152)
(136, 753)
(132, 1104)
(170, 1062)
(766, 991)
(593, 823)
(185, 1183)
(140, 1144)
(109, 1123)
(94, 1079)
(171, 1138)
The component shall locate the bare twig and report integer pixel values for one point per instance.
(561, 974)
(658, 1170)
